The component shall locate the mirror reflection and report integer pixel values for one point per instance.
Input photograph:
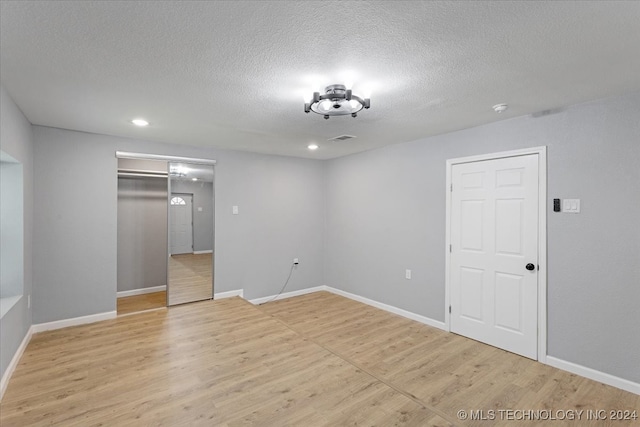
(191, 232)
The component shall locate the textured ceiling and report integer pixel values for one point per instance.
(234, 74)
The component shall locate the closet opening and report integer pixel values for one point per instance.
(165, 231)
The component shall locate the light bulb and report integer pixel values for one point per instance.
(140, 122)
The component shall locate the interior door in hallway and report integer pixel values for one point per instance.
(494, 251)
(181, 237)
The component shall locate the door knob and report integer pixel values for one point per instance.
(530, 267)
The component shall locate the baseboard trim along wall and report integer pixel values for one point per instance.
(391, 309)
(592, 374)
(4, 382)
(75, 321)
(385, 307)
(262, 300)
(141, 291)
(229, 294)
(202, 252)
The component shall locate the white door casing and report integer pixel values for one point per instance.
(494, 211)
(181, 236)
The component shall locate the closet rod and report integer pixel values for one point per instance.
(143, 175)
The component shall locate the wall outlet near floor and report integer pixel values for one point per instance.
(295, 261)
(407, 274)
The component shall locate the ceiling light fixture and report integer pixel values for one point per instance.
(312, 146)
(194, 179)
(140, 122)
(336, 101)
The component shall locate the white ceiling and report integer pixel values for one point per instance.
(234, 74)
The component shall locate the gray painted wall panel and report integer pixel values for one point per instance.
(281, 215)
(142, 233)
(16, 139)
(386, 212)
(12, 229)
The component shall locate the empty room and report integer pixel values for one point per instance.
(319, 213)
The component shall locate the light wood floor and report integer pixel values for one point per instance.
(136, 303)
(313, 360)
(190, 278)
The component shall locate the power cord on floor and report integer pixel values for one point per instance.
(285, 284)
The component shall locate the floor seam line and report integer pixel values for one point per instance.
(357, 366)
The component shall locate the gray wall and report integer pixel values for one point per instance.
(142, 233)
(281, 217)
(203, 236)
(385, 212)
(12, 228)
(16, 139)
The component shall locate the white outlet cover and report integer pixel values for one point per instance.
(235, 210)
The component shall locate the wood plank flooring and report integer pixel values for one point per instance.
(136, 303)
(190, 278)
(313, 360)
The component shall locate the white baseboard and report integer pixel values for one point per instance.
(141, 291)
(257, 301)
(202, 252)
(4, 382)
(58, 324)
(391, 309)
(229, 294)
(592, 374)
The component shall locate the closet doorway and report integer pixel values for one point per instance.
(142, 235)
(165, 231)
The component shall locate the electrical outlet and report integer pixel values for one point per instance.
(295, 261)
(407, 274)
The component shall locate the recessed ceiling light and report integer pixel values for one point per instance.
(194, 179)
(140, 122)
(312, 146)
(500, 108)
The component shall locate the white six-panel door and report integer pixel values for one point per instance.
(494, 251)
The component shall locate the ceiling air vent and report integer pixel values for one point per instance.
(341, 138)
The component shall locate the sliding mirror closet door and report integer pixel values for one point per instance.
(191, 232)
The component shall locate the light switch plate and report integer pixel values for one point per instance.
(235, 210)
(571, 205)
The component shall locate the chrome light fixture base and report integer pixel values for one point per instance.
(336, 101)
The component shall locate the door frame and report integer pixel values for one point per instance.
(147, 156)
(542, 236)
